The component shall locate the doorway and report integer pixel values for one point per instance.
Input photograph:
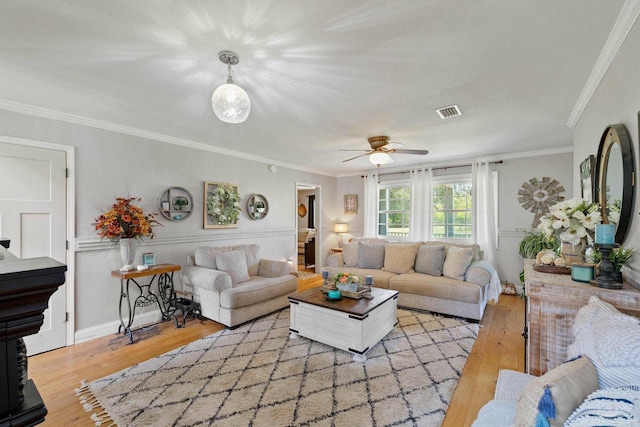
(33, 216)
(308, 208)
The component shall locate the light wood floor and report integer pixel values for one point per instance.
(57, 373)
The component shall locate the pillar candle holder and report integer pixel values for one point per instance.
(368, 281)
(605, 279)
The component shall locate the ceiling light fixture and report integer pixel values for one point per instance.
(230, 102)
(379, 158)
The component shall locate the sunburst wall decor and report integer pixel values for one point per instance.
(536, 196)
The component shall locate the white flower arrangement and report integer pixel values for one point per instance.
(571, 220)
(224, 204)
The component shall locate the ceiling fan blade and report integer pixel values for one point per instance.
(353, 158)
(394, 145)
(405, 151)
(353, 150)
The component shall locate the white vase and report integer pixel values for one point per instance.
(127, 254)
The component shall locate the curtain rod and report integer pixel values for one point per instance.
(497, 162)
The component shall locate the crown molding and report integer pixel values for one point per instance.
(625, 22)
(31, 110)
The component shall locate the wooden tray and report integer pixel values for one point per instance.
(355, 295)
(553, 269)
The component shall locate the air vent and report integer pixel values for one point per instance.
(447, 112)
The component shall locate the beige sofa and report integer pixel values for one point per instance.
(233, 285)
(439, 277)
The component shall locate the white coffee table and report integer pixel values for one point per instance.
(353, 325)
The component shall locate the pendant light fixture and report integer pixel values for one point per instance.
(230, 102)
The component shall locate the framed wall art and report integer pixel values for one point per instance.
(587, 178)
(221, 205)
(351, 203)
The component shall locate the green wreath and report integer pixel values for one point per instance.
(224, 204)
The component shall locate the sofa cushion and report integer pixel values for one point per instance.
(234, 263)
(258, 290)
(370, 255)
(456, 262)
(400, 258)
(350, 254)
(437, 287)
(380, 278)
(430, 259)
(569, 384)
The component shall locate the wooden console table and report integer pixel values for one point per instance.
(552, 303)
(165, 299)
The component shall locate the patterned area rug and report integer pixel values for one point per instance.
(304, 275)
(256, 375)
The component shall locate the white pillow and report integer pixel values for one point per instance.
(457, 262)
(234, 263)
(613, 345)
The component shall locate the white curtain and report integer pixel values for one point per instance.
(421, 195)
(370, 205)
(484, 230)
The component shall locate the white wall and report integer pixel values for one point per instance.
(513, 219)
(110, 165)
(616, 100)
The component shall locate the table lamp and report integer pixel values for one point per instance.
(340, 228)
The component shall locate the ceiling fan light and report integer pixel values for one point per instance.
(231, 103)
(379, 158)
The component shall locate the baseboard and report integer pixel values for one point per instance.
(111, 328)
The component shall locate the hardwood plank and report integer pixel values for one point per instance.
(57, 373)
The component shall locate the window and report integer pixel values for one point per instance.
(452, 204)
(394, 207)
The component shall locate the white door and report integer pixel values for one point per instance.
(33, 217)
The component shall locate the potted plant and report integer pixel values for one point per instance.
(619, 257)
(260, 206)
(533, 242)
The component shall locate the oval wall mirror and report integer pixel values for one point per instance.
(615, 178)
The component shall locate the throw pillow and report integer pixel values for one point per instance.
(457, 262)
(556, 394)
(430, 260)
(205, 256)
(370, 255)
(252, 254)
(605, 407)
(234, 263)
(594, 312)
(613, 345)
(350, 254)
(399, 258)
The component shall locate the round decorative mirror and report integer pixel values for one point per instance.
(257, 206)
(615, 178)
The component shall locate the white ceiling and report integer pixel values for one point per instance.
(322, 75)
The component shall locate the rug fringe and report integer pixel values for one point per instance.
(90, 403)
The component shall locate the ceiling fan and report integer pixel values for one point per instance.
(381, 148)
